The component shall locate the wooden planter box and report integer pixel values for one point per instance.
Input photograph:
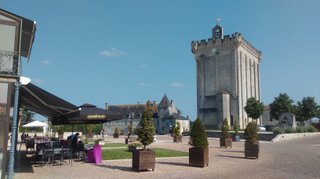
(198, 157)
(226, 142)
(143, 160)
(177, 138)
(251, 150)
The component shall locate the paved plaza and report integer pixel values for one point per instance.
(294, 158)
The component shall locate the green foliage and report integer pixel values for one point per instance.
(281, 104)
(254, 108)
(251, 132)
(289, 130)
(225, 129)
(236, 128)
(116, 131)
(146, 130)
(312, 129)
(306, 109)
(300, 129)
(176, 130)
(198, 136)
(60, 130)
(277, 130)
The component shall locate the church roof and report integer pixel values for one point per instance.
(165, 102)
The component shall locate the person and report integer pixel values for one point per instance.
(102, 133)
(73, 140)
(23, 137)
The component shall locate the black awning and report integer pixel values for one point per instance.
(43, 102)
(86, 114)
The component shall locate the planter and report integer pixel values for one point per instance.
(251, 150)
(126, 141)
(143, 160)
(132, 148)
(177, 138)
(198, 157)
(226, 142)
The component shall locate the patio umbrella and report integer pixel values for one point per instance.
(86, 114)
(35, 124)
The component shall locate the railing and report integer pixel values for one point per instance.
(8, 63)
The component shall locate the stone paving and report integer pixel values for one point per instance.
(295, 158)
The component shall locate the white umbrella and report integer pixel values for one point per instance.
(35, 124)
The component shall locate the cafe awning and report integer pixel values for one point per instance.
(43, 102)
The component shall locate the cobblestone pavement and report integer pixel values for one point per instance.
(295, 158)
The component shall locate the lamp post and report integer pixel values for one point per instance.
(21, 81)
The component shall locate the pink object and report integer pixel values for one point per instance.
(97, 153)
(90, 156)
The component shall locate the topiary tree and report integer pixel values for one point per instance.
(225, 129)
(198, 136)
(116, 132)
(251, 132)
(254, 108)
(146, 130)
(176, 130)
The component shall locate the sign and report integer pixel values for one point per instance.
(96, 116)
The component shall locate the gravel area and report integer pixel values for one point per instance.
(295, 158)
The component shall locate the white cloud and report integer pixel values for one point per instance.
(177, 84)
(46, 62)
(113, 52)
(144, 84)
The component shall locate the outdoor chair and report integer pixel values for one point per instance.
(66, 153)
(29, 145)
(47, 155)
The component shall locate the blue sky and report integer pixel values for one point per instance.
(124, 52)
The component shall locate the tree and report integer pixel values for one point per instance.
(146, 130)
(307, 109)
(176, 130)
(225, 129)
(281, 104)
(254, 108)
(198, 136)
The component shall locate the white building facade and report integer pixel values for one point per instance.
(228, 73)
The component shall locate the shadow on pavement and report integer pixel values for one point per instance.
(174, 163)
(122, 168)
(233, 151)
(230, 156)
(23, 164)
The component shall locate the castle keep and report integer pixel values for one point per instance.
(228, 73)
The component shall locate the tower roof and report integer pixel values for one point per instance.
(165, 102)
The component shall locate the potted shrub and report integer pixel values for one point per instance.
(133, 146)
(251, 144)
(176, 133)
(116, 133)
(236, 132)
(199, 153)
(225, 139)
(145, 159)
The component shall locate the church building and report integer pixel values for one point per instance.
(228, 73)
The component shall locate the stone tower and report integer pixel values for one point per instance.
(228, 73)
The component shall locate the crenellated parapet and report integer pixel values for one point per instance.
(209, 47)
